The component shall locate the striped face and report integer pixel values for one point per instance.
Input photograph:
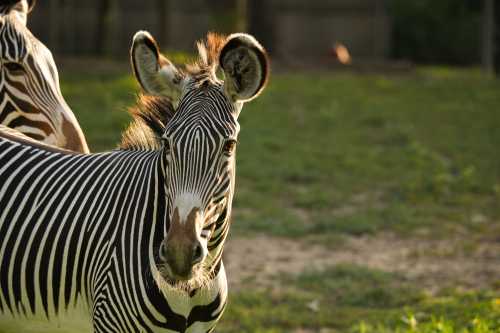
(30, 96)
(199, 144)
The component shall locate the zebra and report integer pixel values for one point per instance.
(30, 96)
(133, 237)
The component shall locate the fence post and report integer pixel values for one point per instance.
(54, 25)
(107, 21)
(488, 36)
(162, 7)
(260, 22)
(241, 13)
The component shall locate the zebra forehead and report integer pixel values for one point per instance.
(205, 107)
(202, 127)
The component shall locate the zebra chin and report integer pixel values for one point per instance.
(200, 277)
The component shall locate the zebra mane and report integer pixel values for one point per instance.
(150, 116)
(208, 52)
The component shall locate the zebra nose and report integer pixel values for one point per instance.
(197, 253)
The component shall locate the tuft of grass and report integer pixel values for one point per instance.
(350, 285)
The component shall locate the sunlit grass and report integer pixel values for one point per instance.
(356, 299)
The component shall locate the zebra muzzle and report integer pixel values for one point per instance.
(182, 250)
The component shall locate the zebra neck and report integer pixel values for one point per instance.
(19, 112)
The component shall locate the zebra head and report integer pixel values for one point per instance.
(30, 95)
(199, 142)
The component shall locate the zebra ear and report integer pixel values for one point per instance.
(155, 73)
(245, 65)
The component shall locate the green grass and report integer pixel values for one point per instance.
(100, 100)
(356, 299)
(420, 148)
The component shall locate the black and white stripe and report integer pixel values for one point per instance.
(30, 97)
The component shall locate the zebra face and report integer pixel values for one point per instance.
(200, 142)
(32, 100)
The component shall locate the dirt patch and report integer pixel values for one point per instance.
(434, 264)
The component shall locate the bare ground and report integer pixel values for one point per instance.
(458, 262)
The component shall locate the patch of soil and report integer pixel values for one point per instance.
(457, 262)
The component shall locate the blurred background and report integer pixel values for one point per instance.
(368, 180)
(297, 32)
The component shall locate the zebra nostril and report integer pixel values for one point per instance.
(197, 253)
(163, 252)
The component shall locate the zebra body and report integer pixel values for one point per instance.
(133, 237)
(100, 254)
(30, 97)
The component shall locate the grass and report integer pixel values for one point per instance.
(356, 299)
(100, 100)
(333, 154)
(418, 148)
(408, 140)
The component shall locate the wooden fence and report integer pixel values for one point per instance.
(290, 29)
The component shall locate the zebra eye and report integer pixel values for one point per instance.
(229, 146)
(13, 67)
